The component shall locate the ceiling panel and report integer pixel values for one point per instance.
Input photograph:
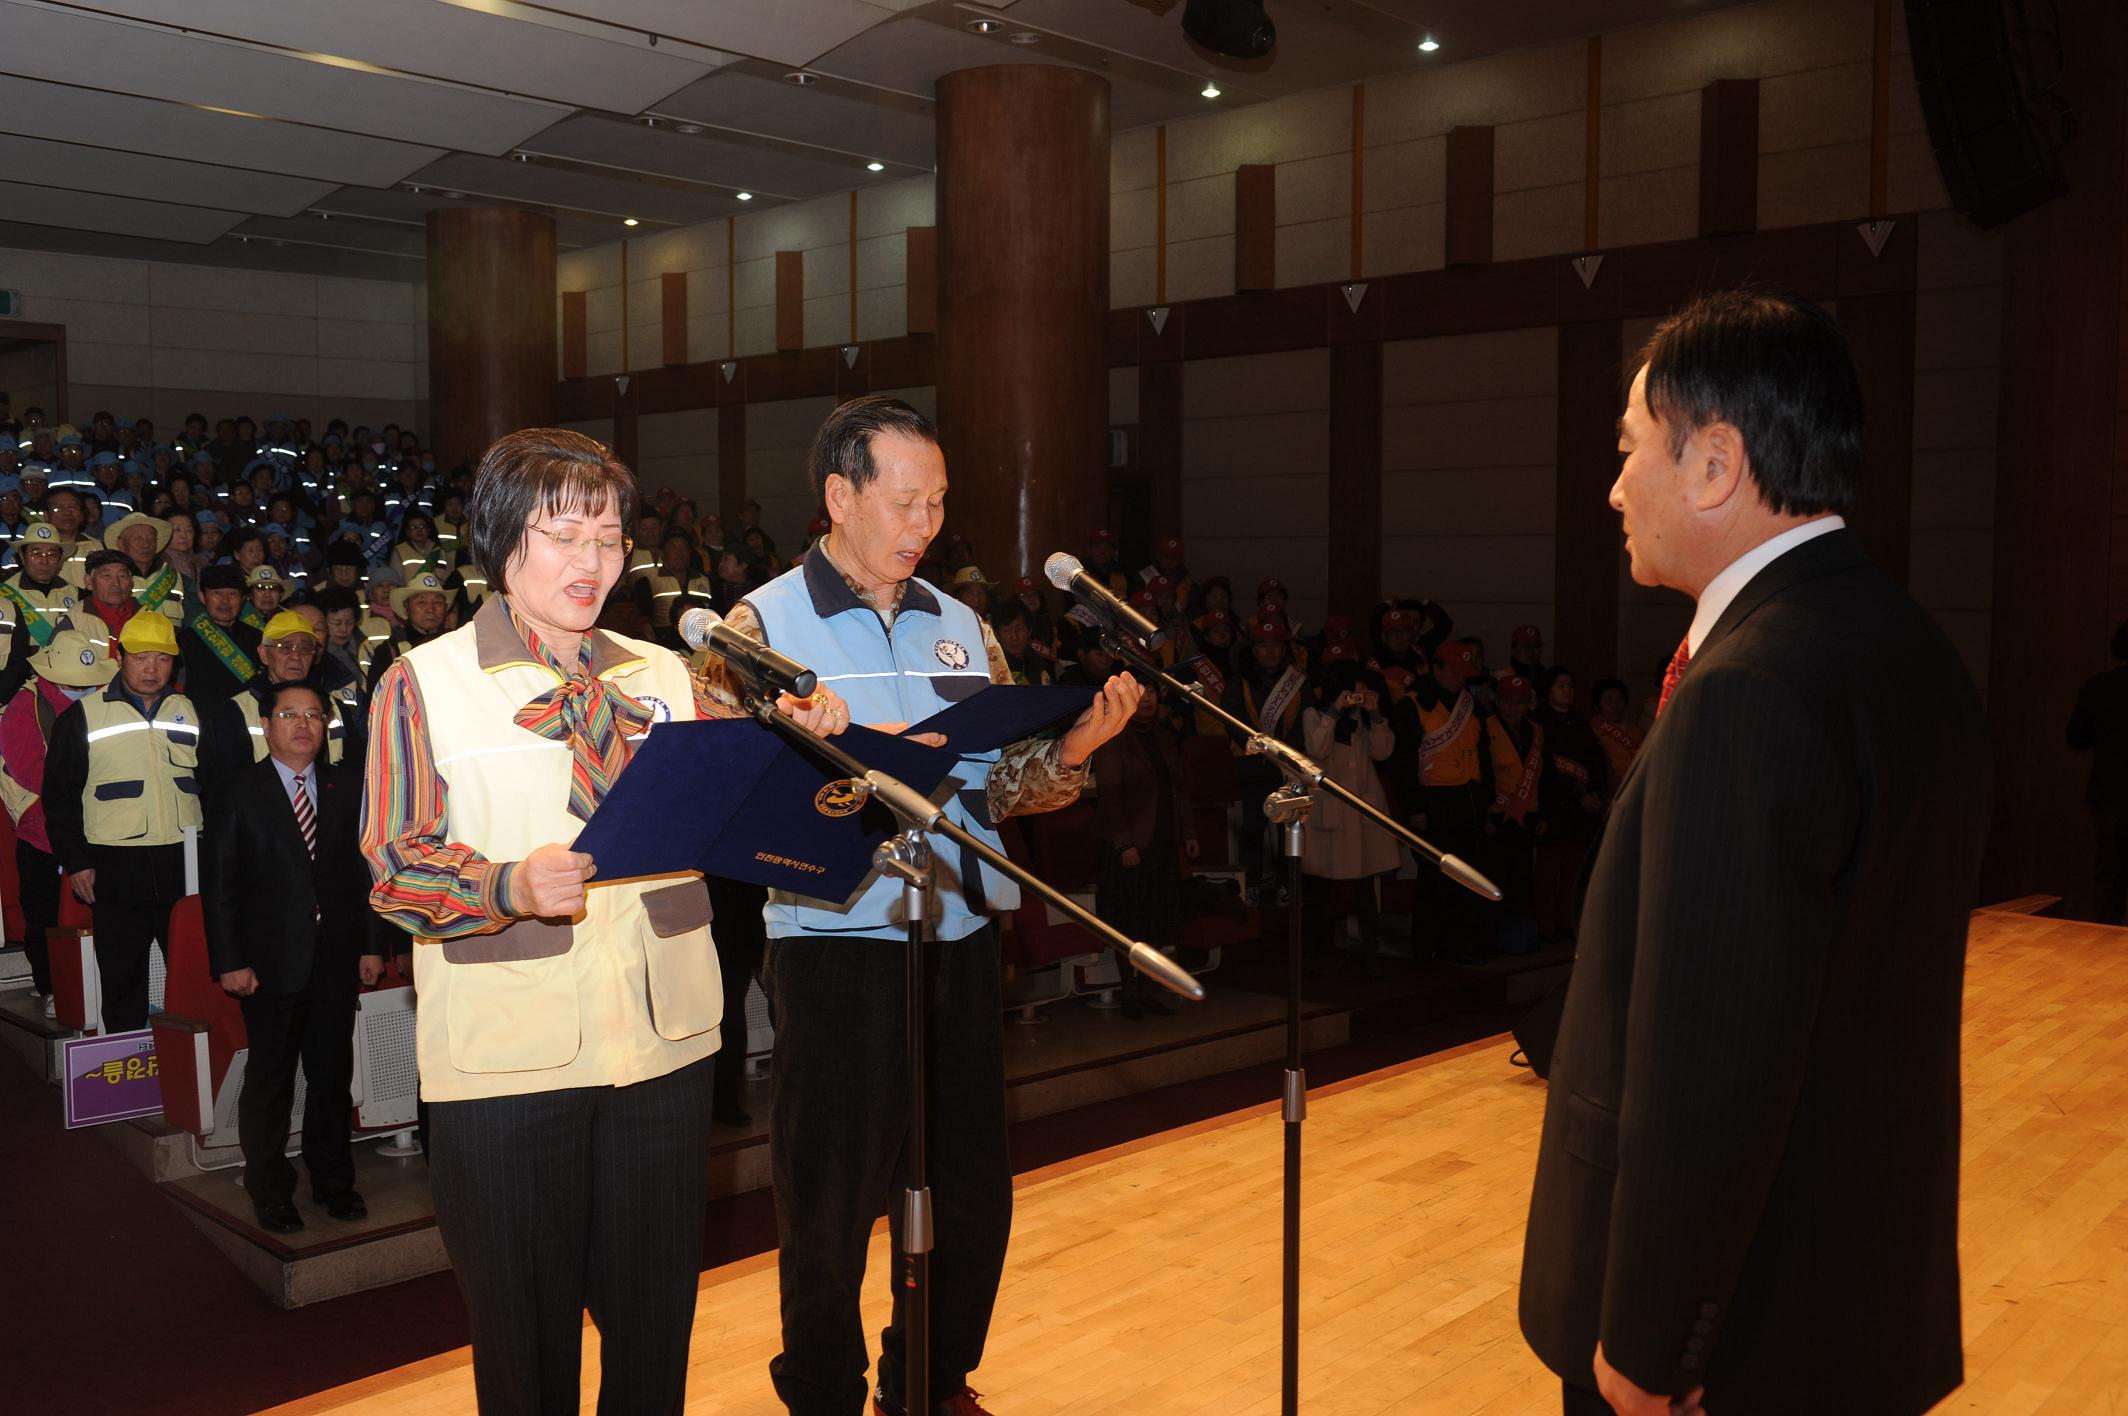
(454, 42)
(163, 179)
(807, 115)
(614, 196)
(787, 31)
(67, 46)
(127, 216)
(911, 53)
(699, 158)
(227, 252)
(400, 241)
(33, 108)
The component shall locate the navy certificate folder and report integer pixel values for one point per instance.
(729, 797)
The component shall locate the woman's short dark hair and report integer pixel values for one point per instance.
(534, 473)
(1008, 611)
(335, 597)
(1609, 685)
(843, 446)
(1775, 366)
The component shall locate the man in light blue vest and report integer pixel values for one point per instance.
(896, 650)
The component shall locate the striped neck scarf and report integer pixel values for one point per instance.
(593, 717)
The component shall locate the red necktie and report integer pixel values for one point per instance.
(1674, 675)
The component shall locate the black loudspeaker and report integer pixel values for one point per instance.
(1539, 1029)
(1238, 29)
(1989, 84)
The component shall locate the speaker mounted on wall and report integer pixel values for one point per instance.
(1989, 76)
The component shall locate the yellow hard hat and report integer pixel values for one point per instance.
(148, 634)
(284, 624)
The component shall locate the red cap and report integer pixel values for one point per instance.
(1262, 630)
(1026, 585)
(1103, 536)
(1171, 547)
(1397, 676)
(956, 539)
(1400, 619)
(1265, 587)
(1160, 585)
(1456, 655)
(1513, 687)
(817, 527)
(1219, 580)
(1527, 634)
(1144, 600)
(1218, 617)
(1338, 649)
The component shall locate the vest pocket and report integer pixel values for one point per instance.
(119, 791)
(514, 1016)
(686, 987)
(525, 940)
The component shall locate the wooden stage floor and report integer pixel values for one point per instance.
(1145, 1279)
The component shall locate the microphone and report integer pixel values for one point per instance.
(754, 661)
(1067, 573)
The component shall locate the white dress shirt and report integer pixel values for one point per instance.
(1724, 588)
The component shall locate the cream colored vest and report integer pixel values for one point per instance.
(631, 990)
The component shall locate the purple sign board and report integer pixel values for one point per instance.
(110, 1078)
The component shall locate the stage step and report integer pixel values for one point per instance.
(2024, 905)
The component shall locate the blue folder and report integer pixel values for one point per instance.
(730, 797)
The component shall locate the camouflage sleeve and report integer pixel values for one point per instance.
(1030, 776)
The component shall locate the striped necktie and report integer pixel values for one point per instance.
(307, 818)
(1675, 674)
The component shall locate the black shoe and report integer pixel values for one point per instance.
(280, 1217)
(347, 1204)
(731, 1113)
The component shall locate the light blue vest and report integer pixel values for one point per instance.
(932, 659)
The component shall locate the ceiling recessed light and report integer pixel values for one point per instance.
(985, 26)
(688, 128)
(630, 221)
(744, 196)
(1211, 90)
(520, 157)
(801, 78)
(647, 121)
(1429, 44)
(454, 196)
(1024, 37)
(875, 167)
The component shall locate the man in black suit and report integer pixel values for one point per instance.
(1746, 1196)
(284, 891)
(2099, 726)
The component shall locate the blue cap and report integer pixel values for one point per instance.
(104, 459)
(201, 455)
(72, 440)
(125, 422)
(9, 482)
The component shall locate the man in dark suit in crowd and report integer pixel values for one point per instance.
(284, 890)
(1747, 1188)
(2099, 726)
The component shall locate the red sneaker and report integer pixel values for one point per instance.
(965, 1402)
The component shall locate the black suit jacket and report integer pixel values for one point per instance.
(2100, 726)
(1748, 1176)
(263, 895)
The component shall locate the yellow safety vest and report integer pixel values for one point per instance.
(1456, 762)
(62, 597)
(141, 789)
(634, 991)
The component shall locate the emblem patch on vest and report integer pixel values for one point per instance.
(88, 658)
(660, 711)
(952, 653)
(839, 799)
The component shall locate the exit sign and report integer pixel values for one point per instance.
(10, 304)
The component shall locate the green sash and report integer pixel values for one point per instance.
(252, 617)
(223, 647)
(34, 619)
(157, 590)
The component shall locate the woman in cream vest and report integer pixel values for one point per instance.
(566, 1030)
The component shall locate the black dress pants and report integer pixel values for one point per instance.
(742, 936)
(39, 873)
(1464, 924)
(135, 888)
(1580, 1401)
(558, 1201)
(2109, 825)
(837, 1134)
(315, 1025)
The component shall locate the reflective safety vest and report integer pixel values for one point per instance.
(61, 598)
(664, 589)
(141, 788)
(337, 706)
(375, 631)
(1448, 750)
(413, 562)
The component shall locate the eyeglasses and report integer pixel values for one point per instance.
(298, 715)
(570, 542)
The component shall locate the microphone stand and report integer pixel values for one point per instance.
(1288, 808)
(907, 856)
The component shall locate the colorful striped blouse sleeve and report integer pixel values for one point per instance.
(425, 883)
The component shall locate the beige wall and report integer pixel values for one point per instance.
(679, 450)
(160, 340)
(1469, 475)
(1255, 474)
